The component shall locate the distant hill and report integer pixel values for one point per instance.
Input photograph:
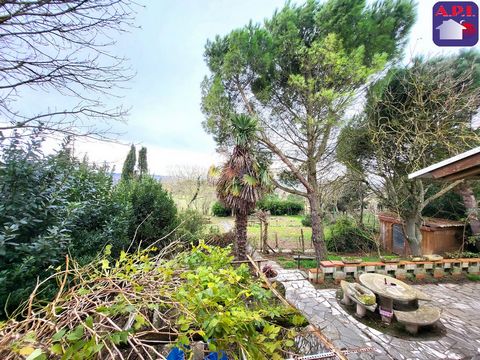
(117, 176)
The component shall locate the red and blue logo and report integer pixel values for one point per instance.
(455, 23)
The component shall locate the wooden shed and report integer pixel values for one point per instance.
(438, 235)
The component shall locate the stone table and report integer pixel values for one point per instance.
(388, 289)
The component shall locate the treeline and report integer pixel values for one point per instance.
(271, 202)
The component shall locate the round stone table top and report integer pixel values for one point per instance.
(388, 287)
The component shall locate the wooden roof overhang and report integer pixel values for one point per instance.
(462, 166)
(428, 223)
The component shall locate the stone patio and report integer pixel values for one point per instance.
(461, 317)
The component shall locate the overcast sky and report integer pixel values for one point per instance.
(167, 55)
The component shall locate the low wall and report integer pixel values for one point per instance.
(338, 270)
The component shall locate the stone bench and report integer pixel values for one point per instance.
(423, 316)
(349, 296)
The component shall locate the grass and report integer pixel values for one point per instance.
(473, 277)
(289, 263)
(286, 228)
(368, 258)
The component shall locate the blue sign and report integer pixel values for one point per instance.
(455, 23)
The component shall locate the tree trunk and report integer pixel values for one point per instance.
(317, 228)
(265, 237)
(362, 201)
(470, 203)
(414, 235)
(241, 222)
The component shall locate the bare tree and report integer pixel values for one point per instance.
(415, 117)
(190, 188)
(62, 47)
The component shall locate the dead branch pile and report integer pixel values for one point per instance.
(132, 307)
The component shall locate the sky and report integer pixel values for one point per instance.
(167, 56)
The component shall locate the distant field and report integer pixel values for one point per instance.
(286, 228)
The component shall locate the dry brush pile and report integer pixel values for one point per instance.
(140, 305)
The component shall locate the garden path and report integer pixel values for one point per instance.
(460, 318)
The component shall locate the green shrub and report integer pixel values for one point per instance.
(220, 210)
(49, 206)
(278, 206)
(191, 226)
(346, 236)
(307, 220)
(153, 212)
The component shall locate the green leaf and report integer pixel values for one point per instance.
(108, 250)
(289, 343)
(59, 335)
(36, 355)
(105, 264)
(76, 334)
(89, 322)
(56, 349)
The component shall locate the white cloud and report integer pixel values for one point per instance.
(160, 159)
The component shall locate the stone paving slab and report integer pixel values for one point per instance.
(460, 304)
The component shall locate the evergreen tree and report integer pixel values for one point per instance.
(142, 161)
(297, 73)
(128, 170)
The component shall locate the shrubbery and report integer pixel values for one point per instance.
(278, 206)
(153, 212)
(220, 210)
(51, 206)
(307, 220)
(191, 226)
(346, 236)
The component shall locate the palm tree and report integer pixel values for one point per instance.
(242, 179)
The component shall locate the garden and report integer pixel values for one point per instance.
(342, 205)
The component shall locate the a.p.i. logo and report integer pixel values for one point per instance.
(455, 23)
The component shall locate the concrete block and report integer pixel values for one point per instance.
(381, 272)
(369, 268)
(410, 266)
(420, 273)
(456, 271)
(350, 269)
(327, 270)
(401, 274)
(316, 277)
(428, 266)
(338, 276)
(390, 267)
(474, 270)
(438, 273)
(447, 265)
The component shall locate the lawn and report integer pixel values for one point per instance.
(289, 263)
(287, 229)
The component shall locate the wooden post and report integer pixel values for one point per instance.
(260, 245)
(276, 241)
(303, 241)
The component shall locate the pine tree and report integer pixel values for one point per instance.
(128, 170)
(142, 161)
